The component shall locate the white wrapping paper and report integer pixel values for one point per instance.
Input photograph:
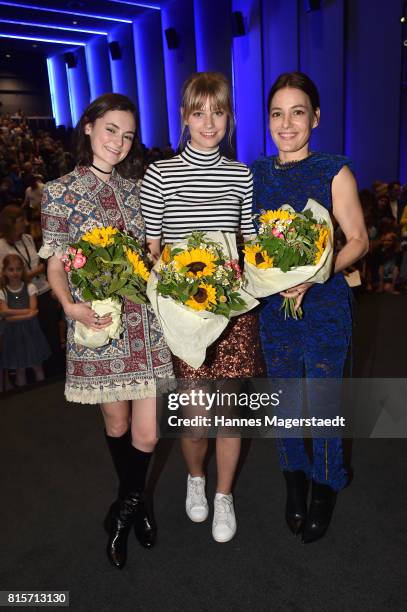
(94, 339)
(188, 332)
(264, 282)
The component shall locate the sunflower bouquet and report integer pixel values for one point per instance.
(106, 266)
(291, 248)
(197, 286)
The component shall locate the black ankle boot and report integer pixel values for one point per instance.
(323, 501)
(144, 526)
(118, 523)
(296, 506)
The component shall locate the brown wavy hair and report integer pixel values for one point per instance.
(131, 166)
(6, 262)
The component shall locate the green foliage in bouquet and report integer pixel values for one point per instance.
(201, 276)
(106, 263)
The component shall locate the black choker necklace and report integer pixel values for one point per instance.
(102, 171)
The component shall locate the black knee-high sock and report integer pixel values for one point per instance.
(137, 467)
(119, 450)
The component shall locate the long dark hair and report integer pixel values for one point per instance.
(296, 80)
(131, 166)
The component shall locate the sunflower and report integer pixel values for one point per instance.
(258, 257)
(197, 262)
(138, 264)
(321, 243)
(276, 215)
(166, 254)
(100, 236)
(204, 298)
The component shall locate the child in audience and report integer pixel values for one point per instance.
(24, 344)
(388, 260)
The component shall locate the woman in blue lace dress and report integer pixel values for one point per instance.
(315, 346)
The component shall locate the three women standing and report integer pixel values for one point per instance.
(317, 345)
(199, 189)
(121, 376)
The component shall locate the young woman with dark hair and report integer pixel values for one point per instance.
(122, 376)
(202, 190)
(317, 345)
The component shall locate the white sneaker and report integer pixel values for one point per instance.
(196, 505)
(224, 520)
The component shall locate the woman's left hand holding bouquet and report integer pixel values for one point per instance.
(298, 292)
(83, 313)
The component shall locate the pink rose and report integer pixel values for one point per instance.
(275, 232)
(234, 265)
(79, 261)
(72, 251)
(67, 267)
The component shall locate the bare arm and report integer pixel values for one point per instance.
(348, 212)
(82, 311)
(154, 246)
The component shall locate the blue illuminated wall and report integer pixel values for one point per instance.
(123, 70)
(248, 84)
(322, 49)
(151, 80)
(98, 66)
(59, 90)
(78, 86)
(179, 63)
(213, 36)
(373, 89)
(280, 45)
(351, 49)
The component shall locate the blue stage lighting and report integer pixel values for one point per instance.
(52, 27)
(48, 40)
(52, 88)
(74, 114)
(63, 12)
(141, 4)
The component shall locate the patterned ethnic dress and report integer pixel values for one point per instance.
(317, 345)
(130, 367)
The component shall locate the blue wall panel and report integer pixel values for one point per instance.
(280, 45)
(150, 79)
(78, 86)
(97, 62)
(322, 35)
(123, 70)
(181, 62)
(373, 69)
(248, 84)
(213, 36)
(59, 90)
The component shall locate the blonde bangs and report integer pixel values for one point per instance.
(202, 86)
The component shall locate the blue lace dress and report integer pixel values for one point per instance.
(317, 345)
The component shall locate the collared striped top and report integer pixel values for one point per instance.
(196, 191)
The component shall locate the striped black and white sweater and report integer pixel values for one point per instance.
(196, 191)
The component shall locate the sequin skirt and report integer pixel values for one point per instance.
(236, 354)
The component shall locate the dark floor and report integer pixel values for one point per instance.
(57, 483)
